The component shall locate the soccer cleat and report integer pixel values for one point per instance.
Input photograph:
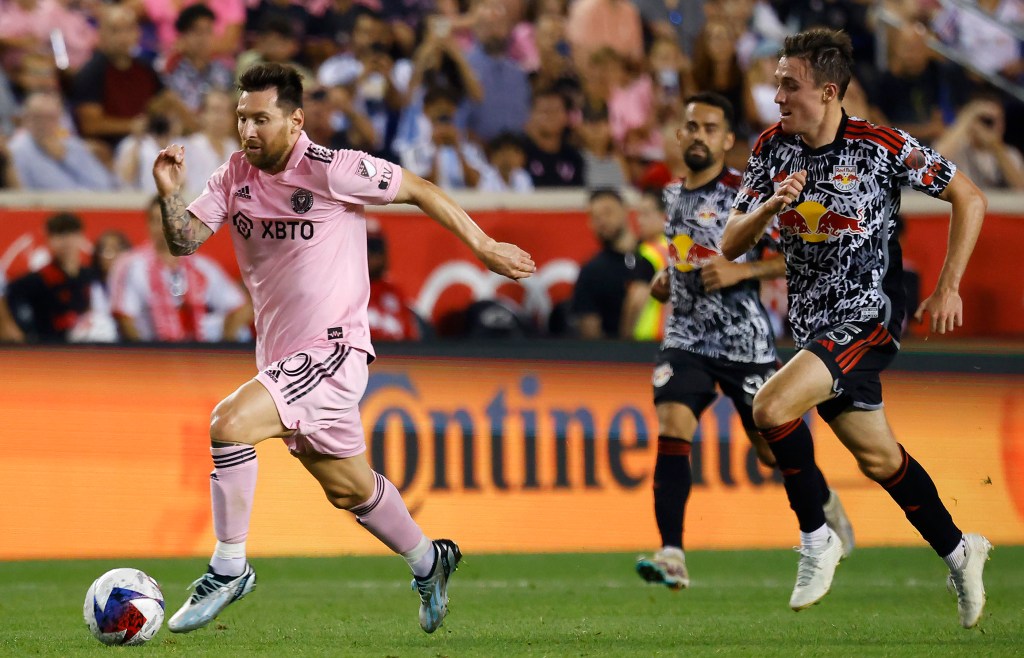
(211, 594)
(667, 567)
(433, 589)
(815, 571)
(836, 519)
(967, 581)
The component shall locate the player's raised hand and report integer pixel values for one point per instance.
(945, 308)
(169, 170)
(788, 191)
(507, 260)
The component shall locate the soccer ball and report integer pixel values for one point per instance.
(124, 606)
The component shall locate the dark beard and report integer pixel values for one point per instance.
(695, 162)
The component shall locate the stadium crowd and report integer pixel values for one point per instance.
(489, 95)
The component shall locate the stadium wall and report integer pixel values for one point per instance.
(441, 276)
(519, 447)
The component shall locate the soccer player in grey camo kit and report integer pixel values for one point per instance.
(832, 184)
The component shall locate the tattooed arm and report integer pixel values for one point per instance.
(183, 231)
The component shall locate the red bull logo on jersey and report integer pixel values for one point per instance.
(844, 178)
(814, 222)
(687, 255)
(707, 216)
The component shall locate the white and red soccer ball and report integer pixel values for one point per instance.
(124, 606)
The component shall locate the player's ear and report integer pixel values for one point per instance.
(298, 119)
(830, 92)
(730, 141)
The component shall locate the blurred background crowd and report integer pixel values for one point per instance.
(483, 95)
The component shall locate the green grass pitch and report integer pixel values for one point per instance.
(884, 602)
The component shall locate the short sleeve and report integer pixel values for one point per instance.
(756, 186)
(360, 178)
(125, 297)
(211, 208)
(642, 270)
(584, 294)
(921, 167)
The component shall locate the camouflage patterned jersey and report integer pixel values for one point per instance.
(843, 261)
(728, 324)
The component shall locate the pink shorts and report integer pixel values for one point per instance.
(317, 394)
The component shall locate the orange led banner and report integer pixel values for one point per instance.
(106, 454)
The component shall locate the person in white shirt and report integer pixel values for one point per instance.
(216, 140)
(443, 155)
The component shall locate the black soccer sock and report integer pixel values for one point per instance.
(913, 490)
(794, 451)
(672, 482)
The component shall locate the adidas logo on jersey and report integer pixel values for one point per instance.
(273, 373)
(243, 193)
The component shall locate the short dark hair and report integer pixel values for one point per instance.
(285, 79)
(551, 92)
(829, 53)
(63, 223)
(505, 140)
(190, 15)
(435, 94)
(715, 99)
(602, 192)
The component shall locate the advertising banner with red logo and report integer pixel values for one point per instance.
(440, 276)
(110, 457)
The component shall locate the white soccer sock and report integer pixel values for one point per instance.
(421, 558)
(228, 559)
(955, 560)
(815, 539)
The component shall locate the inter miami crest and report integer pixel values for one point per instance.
(302, 201)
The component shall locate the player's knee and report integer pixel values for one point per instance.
(347, 495)
(769, 410)
(879, 466)
(227, 425)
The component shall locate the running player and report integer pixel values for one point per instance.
(295, 214)
(832, 182)
(718, 332)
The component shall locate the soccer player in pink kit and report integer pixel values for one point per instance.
(295, 213)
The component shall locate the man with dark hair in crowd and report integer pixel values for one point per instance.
(191, 72)
(550, 160)
(48, 303)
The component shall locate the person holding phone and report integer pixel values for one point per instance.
(975, 143)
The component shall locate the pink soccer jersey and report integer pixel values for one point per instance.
(300, 239)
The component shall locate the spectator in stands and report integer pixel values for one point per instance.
(377, 81)
(8, 104)
(390, 313)
(214, 142)
(596, 24)
(114, 89)
(550, 159)
(643, 316)
(275, 41)
(46, 305)
(323, 107)
(156, 296)
(135, 151)
(8, 172)
(910, 92)
(672, 73)
(507, 160)
(631, 105)
(439, 63)
(332, 33)
(505, 106)
(603, 166)
(302, 23)
(555, 68)
(678, 21)
(98, 325)
(228, 19)
(443, 155)
(975, 143)
(716, 68)
(47, 157)
(191, 72)
(986, 41)
(28, 27)
(657, 175)
(597, 298)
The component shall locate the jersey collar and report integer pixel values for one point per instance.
(299, 150)
(835, 145)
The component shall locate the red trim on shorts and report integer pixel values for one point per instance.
(852, 355)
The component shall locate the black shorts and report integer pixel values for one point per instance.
(690, 379)
(855, 353)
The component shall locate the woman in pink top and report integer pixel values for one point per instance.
(227, 25)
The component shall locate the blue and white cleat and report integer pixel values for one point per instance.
(211, 594)
(433, 589)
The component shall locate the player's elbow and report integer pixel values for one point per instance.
(731, 247)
